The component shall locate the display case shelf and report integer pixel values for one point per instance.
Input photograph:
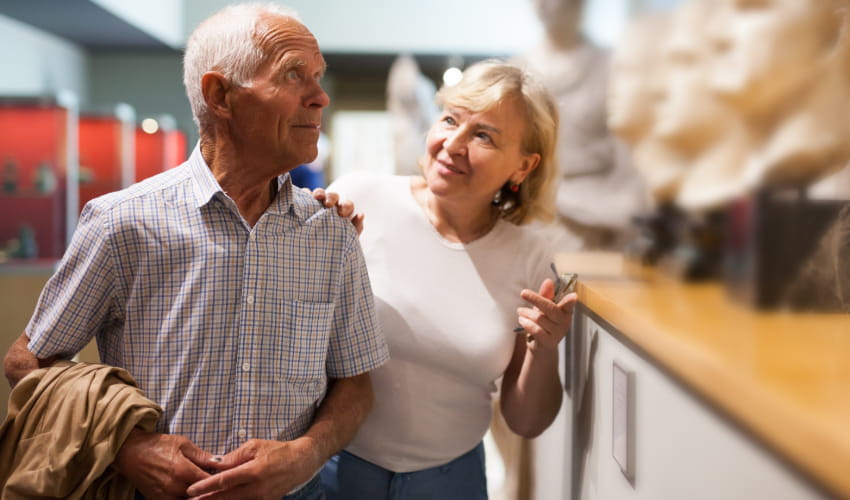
(107, 145)
(38, 189)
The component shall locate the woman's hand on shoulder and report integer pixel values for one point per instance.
(344, 208)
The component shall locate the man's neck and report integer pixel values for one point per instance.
(252, 193)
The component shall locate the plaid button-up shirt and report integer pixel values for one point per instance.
(233, 330)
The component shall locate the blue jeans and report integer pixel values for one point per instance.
(310, 491)
(348, 477)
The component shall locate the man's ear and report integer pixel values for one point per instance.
(215, 88)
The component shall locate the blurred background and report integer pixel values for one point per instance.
(110, 51)
(92, 100)
(92, 96)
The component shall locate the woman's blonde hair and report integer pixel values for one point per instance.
(484, 85)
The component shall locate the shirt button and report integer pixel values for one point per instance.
(252, 236)
(246, 367)
(242, 433)
(249, 299)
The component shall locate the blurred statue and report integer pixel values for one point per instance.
(783, 66)
(631, 88)
(636, 67)
(835, 186)
(707, 137)
(600, 190)
(410, 102)
(680, 132)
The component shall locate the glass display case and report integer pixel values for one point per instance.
(107, 144)
(160, 149)
(38, 176)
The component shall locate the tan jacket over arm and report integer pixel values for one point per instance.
(64, 426)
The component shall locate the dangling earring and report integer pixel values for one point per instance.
(514, 187)
(498, 198)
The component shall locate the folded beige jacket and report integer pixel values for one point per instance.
(64, 427)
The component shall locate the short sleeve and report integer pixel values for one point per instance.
(76, 301)
(357, 343)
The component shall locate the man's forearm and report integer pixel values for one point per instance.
(19, 361)
(344, 408)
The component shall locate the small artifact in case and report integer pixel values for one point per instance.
(786, 251)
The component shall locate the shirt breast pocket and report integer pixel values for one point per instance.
(306, 335)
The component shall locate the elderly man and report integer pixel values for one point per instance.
(240, 305)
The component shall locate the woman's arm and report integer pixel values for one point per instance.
(531, 392)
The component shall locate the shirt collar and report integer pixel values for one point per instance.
(205, 188)
(204, 185)
(290, 198)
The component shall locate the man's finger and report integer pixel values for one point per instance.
(198, 461)
(209, 485)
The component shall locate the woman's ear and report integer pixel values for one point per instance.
(529, 163)
(215, 87)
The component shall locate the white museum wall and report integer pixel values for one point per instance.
(36, 63)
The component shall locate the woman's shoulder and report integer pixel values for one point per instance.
(366, 182)
(531, 235)
(535, 245)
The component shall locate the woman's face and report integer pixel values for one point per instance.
(472, 155)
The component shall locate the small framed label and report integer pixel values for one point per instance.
(623, 418)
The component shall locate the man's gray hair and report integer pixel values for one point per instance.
(225, 42)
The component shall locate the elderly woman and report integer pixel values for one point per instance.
(453, 267)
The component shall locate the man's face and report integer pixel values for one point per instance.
(764, 48)
(277, 115)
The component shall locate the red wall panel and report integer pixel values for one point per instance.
(33, 138)
(100, 157)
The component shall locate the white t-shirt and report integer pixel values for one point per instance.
(448, 311)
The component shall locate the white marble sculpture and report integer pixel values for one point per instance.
(410, 102)
(599, 189)
(784, 67)
(633, 94)
(708, 137)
